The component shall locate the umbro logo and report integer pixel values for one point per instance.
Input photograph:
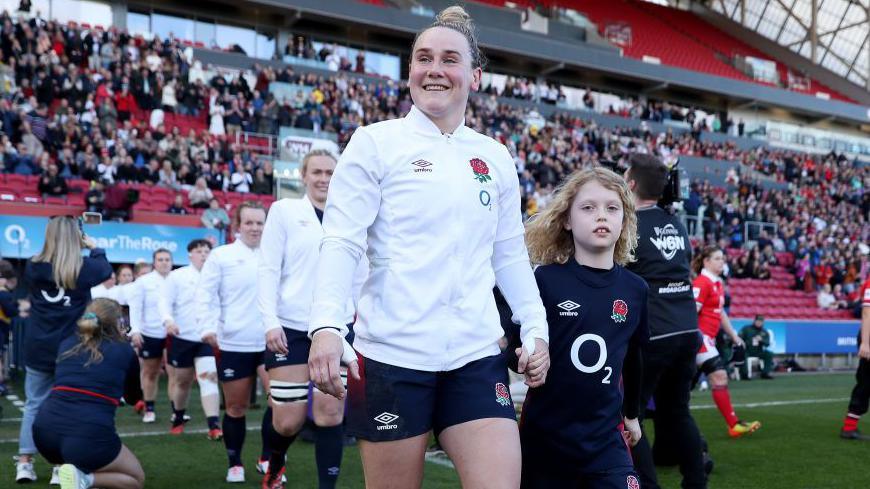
(228, 372)
(385, 419)
(422, 166)
(568, 308)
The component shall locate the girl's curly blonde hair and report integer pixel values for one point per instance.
(548, 240)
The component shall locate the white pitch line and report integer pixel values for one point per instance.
(776, 403)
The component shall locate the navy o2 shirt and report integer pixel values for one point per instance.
(598, 321)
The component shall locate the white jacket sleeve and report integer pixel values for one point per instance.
(515, 279)
(136, 302)
(269, 269)
(167, 298)
(207, 298)
(513, 271)
(351, 207)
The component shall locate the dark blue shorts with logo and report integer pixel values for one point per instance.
(394, 403)
(237, 365)
(298, 347)
(152, 347)
(182, 353)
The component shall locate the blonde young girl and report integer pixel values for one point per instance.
(572, 426)
(76, 424)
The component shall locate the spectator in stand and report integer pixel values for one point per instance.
(168, 100)
(241, 180)
(52, 184)
(215, 217)
(261, 185)
(826, 299)
(200, 194)
(95, 198)
(177, 206)
(166, 176)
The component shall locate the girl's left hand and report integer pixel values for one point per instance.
(632, 431)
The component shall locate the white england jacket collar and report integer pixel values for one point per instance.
(713, 278)
(309, 207)
(421, 123)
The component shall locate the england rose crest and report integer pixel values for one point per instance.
(620, 311)
(632, 482)
(502, 395)
(481, 171)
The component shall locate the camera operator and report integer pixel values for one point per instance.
(59, 282)
(663, 255)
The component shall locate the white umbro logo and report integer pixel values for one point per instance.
(422, 166)
(568, 308)
(385, 419)
(228, 372)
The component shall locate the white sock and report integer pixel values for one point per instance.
(89, 479)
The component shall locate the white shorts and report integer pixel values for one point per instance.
(707, 351)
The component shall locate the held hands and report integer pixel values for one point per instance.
(276, 341)
(136, 339)
(328, 351)
(171, 328)
(210, 339)
(535, 366)
(632, 432)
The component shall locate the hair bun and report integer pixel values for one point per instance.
(455, 15)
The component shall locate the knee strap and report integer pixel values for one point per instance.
(206, 376)
(287, 392)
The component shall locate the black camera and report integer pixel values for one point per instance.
(677, 187)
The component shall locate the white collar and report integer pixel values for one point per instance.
(422, 123)
(713, 278)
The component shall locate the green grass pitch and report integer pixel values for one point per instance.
(797, 447)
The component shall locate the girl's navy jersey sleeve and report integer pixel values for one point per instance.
(594, 315)
(96, 269)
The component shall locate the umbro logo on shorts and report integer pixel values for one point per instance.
(228, 372)
(568, 308)
(280, 357)
(422, 166)
(385, 419)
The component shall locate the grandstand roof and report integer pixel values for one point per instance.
(842, 30)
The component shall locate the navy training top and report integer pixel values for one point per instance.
(54, 310)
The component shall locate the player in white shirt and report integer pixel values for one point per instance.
(288, 267)
(146, 328)
(226, 310)
(436, 207)
(186, 352)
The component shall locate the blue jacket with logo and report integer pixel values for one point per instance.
(55, 310)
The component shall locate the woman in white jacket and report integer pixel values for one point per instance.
(436, 207)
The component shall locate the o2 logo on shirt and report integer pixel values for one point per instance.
(602, 356)
(57, 298)
(485, 199)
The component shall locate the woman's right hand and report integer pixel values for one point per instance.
(88, 242)
(324, 363)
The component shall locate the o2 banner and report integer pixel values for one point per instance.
(809, 337)
(23, 237)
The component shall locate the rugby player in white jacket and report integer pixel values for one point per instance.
(437, 207)
(186, 352)
(226, 309)
(146, 328)
(288, 267)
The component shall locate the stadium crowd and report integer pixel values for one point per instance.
(77, 104)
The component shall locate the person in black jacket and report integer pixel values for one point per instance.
(76, 424)
(59, 282)
(662, 259)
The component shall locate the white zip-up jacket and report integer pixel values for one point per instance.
(116, 293)
(226, 299)
(178, 302)
(143, 297)
(288, 266)
(439, 215)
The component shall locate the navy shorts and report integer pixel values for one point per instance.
(181, 353)
(152, 347)
(394, 403)
(237, 365)
(89, 447)
(546, 477)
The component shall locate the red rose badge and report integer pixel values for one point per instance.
(481, 171)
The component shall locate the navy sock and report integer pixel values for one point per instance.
(212, 422)
(279, 444)
(178, 418)
(234, 438)
(265, 432)
(328, 450)
(149, 406)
